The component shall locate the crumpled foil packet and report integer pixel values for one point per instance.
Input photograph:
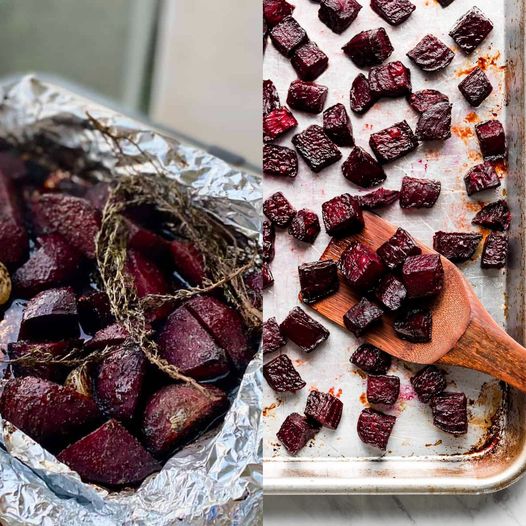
(216, 480)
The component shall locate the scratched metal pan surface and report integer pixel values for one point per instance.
(420, 458)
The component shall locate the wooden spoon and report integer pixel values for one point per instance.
(463, 334)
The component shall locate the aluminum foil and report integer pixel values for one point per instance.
(216, 480)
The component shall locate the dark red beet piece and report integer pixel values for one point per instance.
(471, 30)
(309, 61)
(369, 48)
(450, 413)
(274, 11)
(188, 261)
(435, 123)
(445, 3)
(362, 316)
(378, 199)
(425, 99)
(337, 125)
(428, 382)
(269, 236)
(318, 280)
(362, 98)
(254, 283)
(49, 413)
(296, 431)
(270, 97)
(281, 375)
(431, 54)
(495, 251)
(266, 274)
(307, 96)
(361, 266)
(94, 311)
(456, 246)
(316, 149)
(414, 325)
(393, 142)
(273, 339)
(178, 412)
(383, 389)
(397, 249)
(390, 292)
(338, 15)
(287, 36)
(423, 275)
(496, 216)
(362, 169)
(324, 408)
(342, 215)
(393, 11)
(112, 335)
(109, 455)
(374, 428)
(305, 226)
(492, 139)
(279, 211)
(279, 161)
(476, 87)
(98, 195)
(278, 122)
(371, 359)
(144, 240)
(481, 177)
(419, 193)
(303, 330)
(390, 80)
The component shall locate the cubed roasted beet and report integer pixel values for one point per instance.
(378, 199)
(361, 96)
(495, 250)
(481, 177)
(273, 339)
(471, 30)
(374, 428)
(397, 249)
(305, 226)
(307, 96)
(189, 261)
(324, 408)
(274, 11)
(281, 375)
(254, 284)
(383, 389)
(419, 193)
(390, 80)
(476, 87)
(492, 139)
(390, 292)
(309, 61)
(361, 266)
(269, 236)
(338, 15)
(414, 325)
(450, 412)
(145, 241)
(316, 149)
(456, 246)
(428, 382)
(435, 123)
(362, 169)
(337, 125)
(278, 209)
(393, 11)
(270, 97)
(279, 161)
(342, 215)
(318, 280)
(266, 274)
(496, 216)
(278, 122)
(393, 142)
(109, 336)
(303, 330)
(362, 317)
(287, 36)
(371, 359)
(425, 99)
(445, 3)
(296, 431)
(94, 311)
(431, 54)
(369, 48)
(423, 275)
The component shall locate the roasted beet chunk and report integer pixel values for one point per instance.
(492, 139)
(281, 375)
(307, 96)
(274, 11)
(362, 98)
(318, 280)
(383, 389)
(317, 150)
(496, 216)
(94, 311)
(471, 30)
(273, 339)
(378, 199)
(362, 317)
(267, 277)
(374, 428)
(450, 412)
(393, 11)
(342, 215)
(189, 261)
(269, 236)
(495, 251)
(423, 275)
(324, 409)
(390, 292)
(296, 431)
(393, 142)
(279, 161)
(303, 330)
(414, 325)
(397, 249)
(435, 123)
(431, 54)
(338, 15)
(108, 337)
(428, 382)
(371, 359)
(425, 99)
(277, 123)
(305, 226)
(476, 87)
(270, 97)
(337, 125)
(362, 169)
(361, 266)
(419, 193)
(309, 61)
(390, 80)
(456, 246)
(279, 211)
(369, 48)
(481, 177)
(287, 36)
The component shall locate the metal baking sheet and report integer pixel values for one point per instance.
(420, 458)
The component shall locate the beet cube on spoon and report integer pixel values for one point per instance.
(423, 275)
(414, 325)
(361, 266)
(362, 316)
(342, 215)
(318, 280)
(397, 249)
